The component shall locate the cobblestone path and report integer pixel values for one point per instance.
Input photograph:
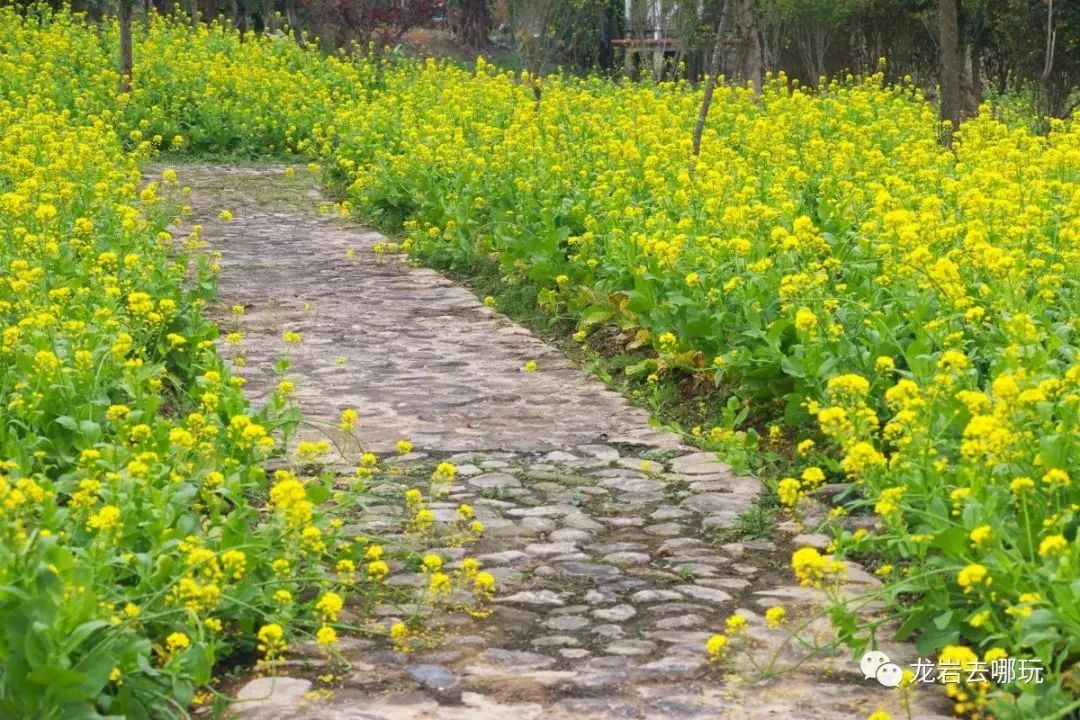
(611, 576)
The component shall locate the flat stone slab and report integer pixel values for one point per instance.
(498, 657)
(707, 594)
(566, 622)
(655, 596)
(702, 463)
(631, 647)
(627, 558)
(586, 569)
(494, 480)
(814, 540)
(618, 613)
(269, 693)
(716, 502)
(678, 667)
(549, 549)
(532, 597)
(501, 558)
(438, 681)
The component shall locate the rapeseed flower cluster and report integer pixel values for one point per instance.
(137, 521)
(918, 303)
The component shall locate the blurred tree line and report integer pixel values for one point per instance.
(1024, 49)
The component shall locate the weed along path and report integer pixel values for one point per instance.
(610, 540)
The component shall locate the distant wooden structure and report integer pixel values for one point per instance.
(651, 32)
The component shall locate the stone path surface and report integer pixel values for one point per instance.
(611, 574)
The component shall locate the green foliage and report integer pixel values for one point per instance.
(142, 542)
(826, 13)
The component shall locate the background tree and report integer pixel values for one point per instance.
(341, 23)
(1025, 51)
(949, 41)
(747, 43)
(573, 33)
(533, 37)
(975, 17)
(808, 26)
(715, 58)
(126, 61)
(1059, 78)
(470, 22)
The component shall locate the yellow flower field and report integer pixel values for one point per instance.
(827, 259)
(142, 542)
(911, 309)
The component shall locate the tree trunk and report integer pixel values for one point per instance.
(125, 46)
(710, 81)
(607, 32)
(769, 43)
(538, 58)
(1045, 94)
(821, 44)
(266, 12)
(949, 39)
(194, 10)
(966, 98)
(294, 21)
(511, 19)
(473, 22)
(240, 15)
(976, 73)
(749, 66)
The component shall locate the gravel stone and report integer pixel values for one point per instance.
(585, 569)
(618, 613)
(630, 647)
(532, 597)
(627, 558)
(494, 480)
(269, 693)
(708, 594)
(566, 622)
(439, 682)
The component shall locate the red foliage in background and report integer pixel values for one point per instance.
(383, 22)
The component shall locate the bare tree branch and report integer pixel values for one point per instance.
(710, 80)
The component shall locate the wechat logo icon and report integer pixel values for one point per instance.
(876, 664)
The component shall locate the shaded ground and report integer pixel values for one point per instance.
(610, 579)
